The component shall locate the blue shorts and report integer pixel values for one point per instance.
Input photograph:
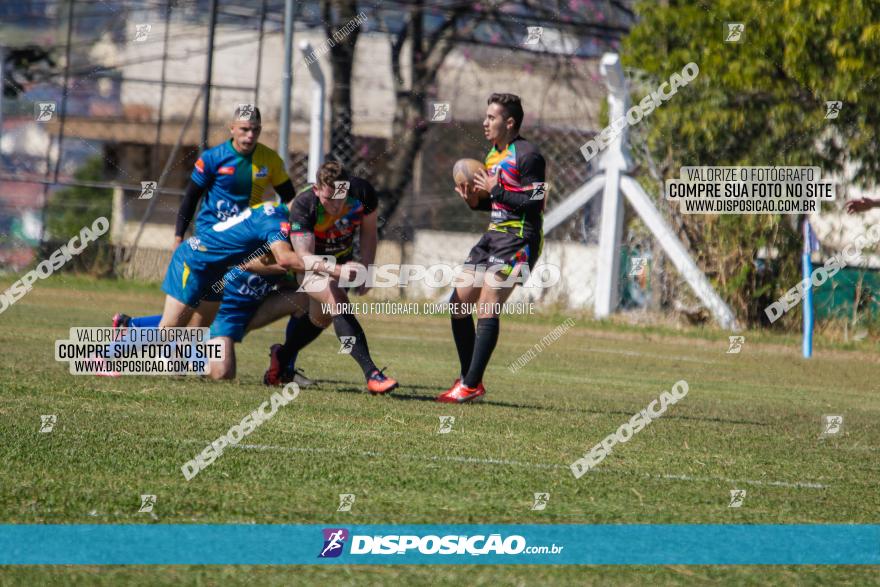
(191, 281)
(233, 318)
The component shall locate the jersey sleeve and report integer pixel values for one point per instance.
(367, 195)
(303, 213)
(275, 224)
(532, 171)
(203, 171)
(277, 173)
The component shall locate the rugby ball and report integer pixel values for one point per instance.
(463, 172)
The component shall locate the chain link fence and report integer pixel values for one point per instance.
(101, 100)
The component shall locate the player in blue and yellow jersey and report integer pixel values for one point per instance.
(324, 221)
(231, 176)
(199, 264)
(514, 178)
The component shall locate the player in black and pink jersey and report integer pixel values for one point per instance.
(323, 221)
(514, 178)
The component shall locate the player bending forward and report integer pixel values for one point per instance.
(323, 221)
(514, 178)
(200, 262)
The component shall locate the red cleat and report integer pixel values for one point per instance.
(460, 393)
(121, 320)
(379, 383)
(275, 374)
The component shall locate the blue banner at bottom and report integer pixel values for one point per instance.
(191, 544)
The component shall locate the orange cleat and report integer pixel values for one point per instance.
(378, 383)
(460, 393)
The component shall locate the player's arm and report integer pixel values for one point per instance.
(285, 191)
(472, 199)
(532, 169)
(200, 180)
(369, 238)
(861, 205)
(265, 265)
(187, 210)
(286, 257)
(280, 180)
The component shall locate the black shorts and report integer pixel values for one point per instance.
(503, 248)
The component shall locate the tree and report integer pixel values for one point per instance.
(431, 32)
(760, 101)
(336, 14)
(72, 208)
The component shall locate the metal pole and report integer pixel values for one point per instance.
(260, 54)
(154, 164)
(615, 161)
(316, 125)
(206, 106)
(807, 269)
(2, 83)
(286, 83)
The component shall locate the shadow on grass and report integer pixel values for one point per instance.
(400, 394)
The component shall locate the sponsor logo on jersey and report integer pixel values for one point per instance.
(285, 229)
(262, 172)
(200, 165)
(226, 170)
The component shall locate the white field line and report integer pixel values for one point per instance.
(506, 462)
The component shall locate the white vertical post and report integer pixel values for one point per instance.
(316, 124)
(286, 85)
(614, 160)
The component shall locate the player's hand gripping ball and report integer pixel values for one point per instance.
(463, 173)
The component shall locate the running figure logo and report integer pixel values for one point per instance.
(148, 188)
(736, 344)
(637, 266)
(737, 496)
(831, 424)
(735, 31)
(141, 32)
(147, 503)
(246, 112)
(334, 541)
(47, 422)
(44, 111)
(446, 423)
(539, 188)
(441, 111)
(535, 34)
(341, 190)
(347, 344)
(832, 109)
(541, 500)
(346, 500)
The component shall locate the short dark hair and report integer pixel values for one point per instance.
(512, 106)
(246, 114)
(331, 172)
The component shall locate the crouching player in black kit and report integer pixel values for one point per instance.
(514, 178)
(323, 221)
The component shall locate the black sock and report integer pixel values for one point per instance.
(464, 334)
(303, 333)
(347, 325)
(487, 337)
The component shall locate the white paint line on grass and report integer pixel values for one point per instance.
(507, 462)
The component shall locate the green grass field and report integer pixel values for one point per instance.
(750, 421)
